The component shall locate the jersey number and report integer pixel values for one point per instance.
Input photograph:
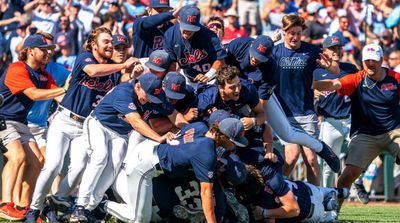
(190, 197)
(97, 100)
(203, 68)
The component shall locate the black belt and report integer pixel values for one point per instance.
(73, 116)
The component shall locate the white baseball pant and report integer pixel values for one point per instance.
(135, 187)
(64, 134)
(278, 121)
(317, 199)
(333, 132)
(108, 149)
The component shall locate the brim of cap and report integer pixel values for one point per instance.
(189, 27)
(233, 15)
(371, 57)
(331, 45)
(240, 141)
(173, 94)
(258, 56)
(154, 67)
(120, 44)
(45, 46)
(158, 7)
(156, 100)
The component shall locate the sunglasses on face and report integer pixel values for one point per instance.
(215, 25)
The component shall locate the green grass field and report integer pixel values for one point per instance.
(373, 212)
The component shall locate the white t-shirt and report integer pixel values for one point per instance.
(13, 44)
(45, 22)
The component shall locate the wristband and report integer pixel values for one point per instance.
(254, 121)
(264, 213)
(211, 74)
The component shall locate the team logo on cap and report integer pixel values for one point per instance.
(262, 48)
(175, 87)
(335, 39)
(371, 50)
(163, 1)
(121, 38)
(157, 91)
(156, 60)
(44, 40)
(191, 18)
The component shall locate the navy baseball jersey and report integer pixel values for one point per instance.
(191, 151)
(330, 104)
(147, 36)
(17, 78)
(184, 191)
(210, 98)
(374, 104)
(85, 92)
(196, 55)
(121, 101)
(295, 78)
(264, 76)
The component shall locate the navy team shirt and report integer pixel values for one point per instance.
(264, 76)
(330, 104)
(374, 105)
(210, 98)
(196, 55)
(147, 37)
(121, 101)
(295, 78)
(85, 92)
(193, 151)
(18, 77)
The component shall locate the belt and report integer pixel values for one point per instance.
(72, 115)
(158, 167)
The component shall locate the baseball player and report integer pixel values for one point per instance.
(148, 31)
(157, 63)
(108, 128)
(193, 149)
(253, 57)
(335, 109)
(196, 49)
(375, 120)
(182, 98)
(92, 77)
(23, 83)
(270, 196)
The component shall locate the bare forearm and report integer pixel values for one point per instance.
(208, 206)
(282, 212)
(99, 70)
(45, 94)
(143, 128)
(326, 85)
(161, 125)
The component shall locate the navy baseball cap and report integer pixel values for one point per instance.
(234, 129)
(174, 86)
(152, 86)
(261, 49)
(331, 41)
(235, 170)
(158, 61)
(217, 116)
(189, 18)
(159, 4)
(37, 40)
(118, 39)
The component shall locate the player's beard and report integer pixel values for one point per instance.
(105, 53)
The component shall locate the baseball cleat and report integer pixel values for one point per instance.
(31, 216)
(361, 192)
(330, 157)
(59, 204)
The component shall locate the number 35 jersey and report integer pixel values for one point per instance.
(85, 92)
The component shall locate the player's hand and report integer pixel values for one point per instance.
(191, 114)
(211, 110)
(325, 61)
(176, 11)
(271, 157)
(247, 122)
(277, 35)
(131, 62)
(167, 136)
(201, 78)
(257, 212)
(137, 70)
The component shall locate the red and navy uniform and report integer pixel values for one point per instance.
(196, 55)
(264, 76)
(193, 152)
(85, 92)
(17, 78)
(374, 104)
(147, 36)
(331, 105)
(121, 101)
(295, 78)
(210, 98)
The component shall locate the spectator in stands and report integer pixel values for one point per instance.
(43, 15)
(68, 30)
(8, 10)
(249, 15)
(134, 7)
(315, 31)
(394, 60)
(387, 41)
(67, 58)
(18, 40)
(216, 24)
(345, 35)
(231, 31)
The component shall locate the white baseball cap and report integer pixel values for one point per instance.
(372, 52)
